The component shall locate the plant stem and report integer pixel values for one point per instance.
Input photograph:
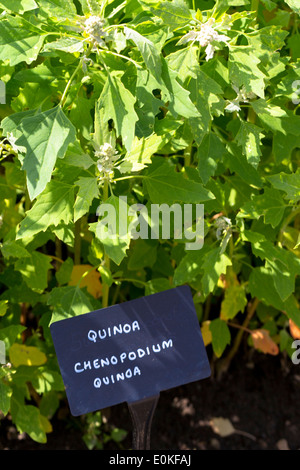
(128, 177)
(188, 155)
(251, 310)
(138, 66)
(64, 95)
(285, 224)
(77, 242)
(123, 279)
(251, 115)
(224, 363)
(105, 289)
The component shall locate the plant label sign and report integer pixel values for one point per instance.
(130, 351)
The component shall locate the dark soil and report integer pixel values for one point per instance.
(260, 397)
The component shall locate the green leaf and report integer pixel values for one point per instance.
(283, 264)
(117, 104)
(189, 267)
(157, 285)
(88, 191)
(34, 270)
(43, 379)
(147, 49)
(10, 333)
(289, 183)
(266, 41)
(249, 138)
(165, 185)
(55, 9)
(294, 5)
(46, 137)
(17, 43)
(14, 249)
(269, 205)
(205, 94)
(10, 123)
(272, 116)
(220, 336)
(175, 14)
(178, 98)
(234, 302)
(29, 420)
(141, 152)
(75, 156)
(63, 275)
(237, 162)
(214, 264)
(3, 307)
(68, 301)
(106, 276)
(184, 62)
(18, 6)
(5, 395)
(261, 285)
(21, 354)
(54, 205)
(244, 71)
(65, 233)
(70, 45)
(283, 146)
(112, 230)
(143, 254)
(209, 153)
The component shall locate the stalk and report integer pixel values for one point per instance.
(188, 155)
(77, 242)
(224, 364)
(105, 289)
(251, 310)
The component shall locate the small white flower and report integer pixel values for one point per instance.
(242, 97)
(1, 220)
(93, 27)
(210, 50)
(107, 157)
(233, 106)
(223, 224)
(206, 35)
(9, 145)
(223, 232)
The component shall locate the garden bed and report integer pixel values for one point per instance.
(259, 396)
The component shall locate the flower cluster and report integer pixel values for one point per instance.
(206, 36)
(241, 96)
(93, 28)
(107, 157)
(8, 146)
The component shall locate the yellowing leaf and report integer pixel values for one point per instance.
(234, 302)
(206, 333)
(263, 342)
(45, 423)
(88, 277)
(294, 329)
(22, 355)
(222, 426)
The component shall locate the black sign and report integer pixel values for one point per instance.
(130, 351)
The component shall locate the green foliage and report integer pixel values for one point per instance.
(161, 103)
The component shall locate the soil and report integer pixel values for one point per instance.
(259, 396)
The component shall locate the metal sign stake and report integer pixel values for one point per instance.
(142, 412)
